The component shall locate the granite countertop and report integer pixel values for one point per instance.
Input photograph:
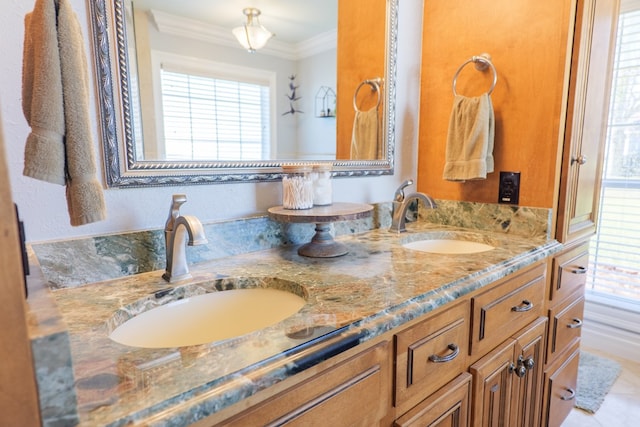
(377, 286)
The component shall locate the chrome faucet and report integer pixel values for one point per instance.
(176, 231)
(401, 204)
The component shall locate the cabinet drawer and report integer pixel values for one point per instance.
(566, 325)
(353, 392)
(447, 407)
(506, 308)
(569, 273)
(431, 353)
(560, 388)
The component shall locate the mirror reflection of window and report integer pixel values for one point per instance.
(211, 118)
(201, 110)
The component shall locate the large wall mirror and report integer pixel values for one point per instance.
(183, 102)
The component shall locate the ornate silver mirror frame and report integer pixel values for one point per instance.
(116, 124)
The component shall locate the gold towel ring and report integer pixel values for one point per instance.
(375, 87)
(482, 63)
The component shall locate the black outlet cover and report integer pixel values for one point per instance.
(509, 191)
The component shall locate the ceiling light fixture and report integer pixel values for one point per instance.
(252, 35)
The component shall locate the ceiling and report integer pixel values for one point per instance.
(292, 21)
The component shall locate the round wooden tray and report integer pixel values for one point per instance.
(322, 244)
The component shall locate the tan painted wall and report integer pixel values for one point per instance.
(528, 43)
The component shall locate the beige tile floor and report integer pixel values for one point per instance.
(621, 407)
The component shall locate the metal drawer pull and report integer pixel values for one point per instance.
(579, 270)
(449, 357)
(570, 396)
(525, 306)
(577, 323)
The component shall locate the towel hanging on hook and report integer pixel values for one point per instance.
(482, 62)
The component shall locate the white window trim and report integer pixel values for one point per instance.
(220, 70)
(612, 324)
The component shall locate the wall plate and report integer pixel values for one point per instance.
(509, 191)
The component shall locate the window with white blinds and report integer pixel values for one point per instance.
(615, 250)
(209, 118)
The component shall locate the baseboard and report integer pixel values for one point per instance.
(611, 330)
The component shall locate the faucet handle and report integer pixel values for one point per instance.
(399, 194)
(174, 211)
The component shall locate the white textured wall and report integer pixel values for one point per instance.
(43, 206)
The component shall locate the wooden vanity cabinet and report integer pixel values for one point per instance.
(419, 374)
(506, 340)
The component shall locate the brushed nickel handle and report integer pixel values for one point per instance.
(449, 357)
(570, 396)
(581, 160)
(576, 323)
(525, 306)
(579, 270)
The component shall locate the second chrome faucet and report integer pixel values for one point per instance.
(401, 203)
(179, 231)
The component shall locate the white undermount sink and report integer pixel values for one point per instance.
(209, 317)
(451, 243)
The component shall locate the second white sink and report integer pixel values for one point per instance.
(206, 318)
(448, 246)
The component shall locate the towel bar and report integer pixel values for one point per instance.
(482, 63)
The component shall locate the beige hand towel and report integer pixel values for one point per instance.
(366, 138)
(469, 150)
(85, 198)
(55, 104)
(42, 96)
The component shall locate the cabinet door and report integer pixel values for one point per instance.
(356, 392)
(492, 383)
(586, 120)
(449, 406)
(527, 388)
